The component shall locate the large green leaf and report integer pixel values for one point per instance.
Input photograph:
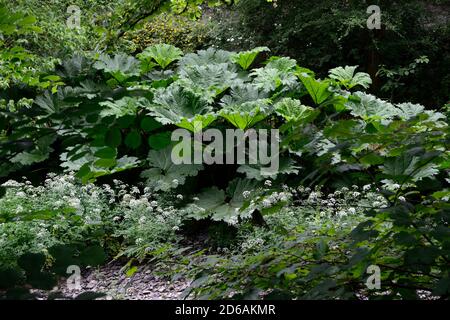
(346, 76)
(160, 140)
(247, 114)
(198, 123)
(241, 93)
(246, 58)
(41, 151)
(369, 107)
(205, 57)
(318, 90)
(407, 111)
(179, 106)
(93, 162)
(133, 140)
(123, 107)
(209, 200)
(163, 54)
(164, 174)
(49, 102)
(213, 202)
(149, 124)
(405, 165)
(293, 111)
(209, 80)
(121, 67)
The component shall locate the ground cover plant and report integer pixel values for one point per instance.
(88, 175)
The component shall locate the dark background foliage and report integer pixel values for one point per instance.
(325, 34)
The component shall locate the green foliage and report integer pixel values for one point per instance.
(179, 106)
(176, 30)
(61, 223)
(121, 67)
(213, 202)
(347, 77)
(118, 117)
(246, 58)
(369, 107)
(318, 90)
(162, 54)
(164, 174)
(294, 112)
(18, 64)
(302, 255)
(123, 107)
(247, 114)
(328, 34)
(59, 40)
(394, 77)
(15, 23)
(59, 212)
(277, 73)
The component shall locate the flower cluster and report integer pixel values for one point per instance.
(303, 209)
(342, 202)
(146, 223)
(63, 211)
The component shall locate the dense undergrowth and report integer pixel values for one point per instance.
(330, 33)
(361, 181)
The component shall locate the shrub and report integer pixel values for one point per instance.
(146, 224)
(180, 31)
(60, 211)
(116, 117)
(324, 35)
(317, 255)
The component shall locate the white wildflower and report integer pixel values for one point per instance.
(75, 203)
(266, 203)
(233, 221)
(142, 220)
(341, 213)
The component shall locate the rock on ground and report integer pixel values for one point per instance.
(112, 281)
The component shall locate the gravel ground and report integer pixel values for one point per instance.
(113, 282)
